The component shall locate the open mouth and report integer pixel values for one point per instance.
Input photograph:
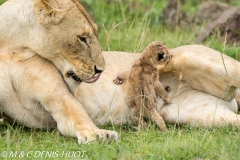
(90, 80)
(74, 76)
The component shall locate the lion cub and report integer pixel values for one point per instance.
(142, 85)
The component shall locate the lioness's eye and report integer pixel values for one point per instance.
(82, 39)
(160, 56)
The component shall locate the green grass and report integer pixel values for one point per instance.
(179, 143)
(129, 26)
(126, 28)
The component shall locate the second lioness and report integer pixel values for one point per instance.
(142, 85)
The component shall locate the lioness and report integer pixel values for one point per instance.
(105, 102)
(142, 85)
(38, 40)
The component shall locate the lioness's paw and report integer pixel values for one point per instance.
(107, 135)
(87, 136)
(117, 81)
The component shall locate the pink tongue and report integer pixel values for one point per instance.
(93, 79)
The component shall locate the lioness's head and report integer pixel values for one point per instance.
(69, 39)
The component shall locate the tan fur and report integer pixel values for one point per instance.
(142, 85)
(105, 102)
(44, 43)
(222, 79)
(238, 100)
(190, 106)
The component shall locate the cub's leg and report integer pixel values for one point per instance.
(150, 105)
(157, 119)
(161, 91)
(137, 113)
(121, 77)
(137, 117)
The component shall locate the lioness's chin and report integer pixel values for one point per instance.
(93, 79)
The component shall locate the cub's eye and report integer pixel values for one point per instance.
(82, 39)
(160, 56)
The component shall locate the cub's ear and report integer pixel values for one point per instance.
(46, 14)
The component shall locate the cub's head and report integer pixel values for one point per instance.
(68, 38)
(156, 53)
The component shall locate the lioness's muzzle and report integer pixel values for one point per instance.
(90, 80)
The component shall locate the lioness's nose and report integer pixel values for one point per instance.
(97, 70)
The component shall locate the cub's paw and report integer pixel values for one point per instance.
(142, 125)
(87, 136)
(117, 81)
(164, 129)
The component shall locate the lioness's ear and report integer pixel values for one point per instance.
(47, 14)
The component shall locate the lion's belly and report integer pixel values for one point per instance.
(104, 101)
(198, 109)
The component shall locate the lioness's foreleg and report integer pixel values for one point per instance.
(73, 120)
(45, 85)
